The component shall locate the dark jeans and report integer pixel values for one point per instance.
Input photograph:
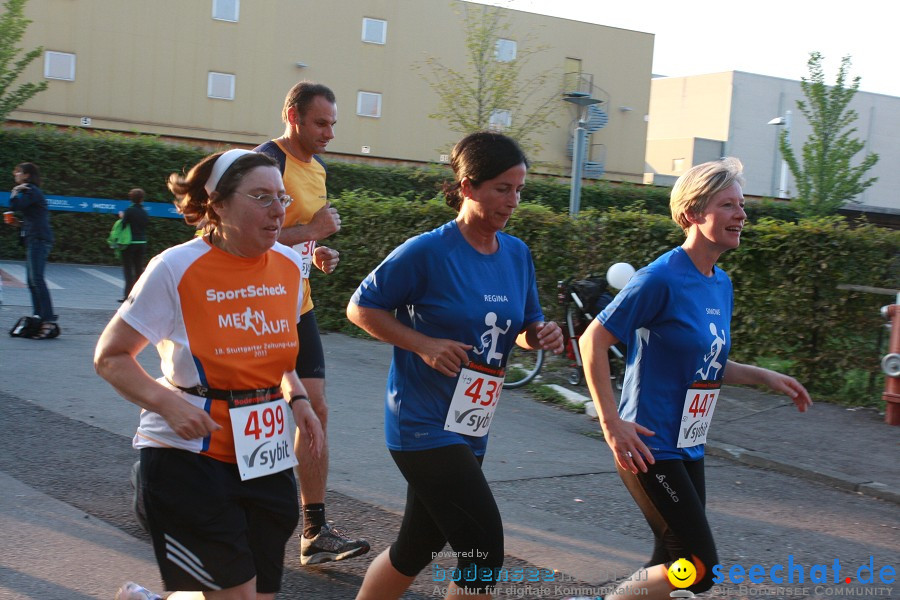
(133, 265)
(36, 258)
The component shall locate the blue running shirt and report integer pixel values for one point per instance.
(677, 325)
(442, 287)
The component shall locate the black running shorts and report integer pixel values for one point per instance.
(672, 496)
(211, 530)
(448, 500)
(311, 356)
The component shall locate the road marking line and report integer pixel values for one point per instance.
(104, 276)
(18, 272)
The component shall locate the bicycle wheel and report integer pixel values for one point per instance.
(522, 366)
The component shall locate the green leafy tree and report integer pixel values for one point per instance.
(489, 86)
(826, 179)
(12, 27)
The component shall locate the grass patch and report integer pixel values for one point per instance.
(545, 393)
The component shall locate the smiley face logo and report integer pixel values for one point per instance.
(682, 573)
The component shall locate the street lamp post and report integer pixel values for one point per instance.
(786, 121)
(581, 102)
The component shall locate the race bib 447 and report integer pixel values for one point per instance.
(696, 415)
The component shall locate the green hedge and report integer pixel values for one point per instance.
(789, 311)
(95, 164)
(76, 162)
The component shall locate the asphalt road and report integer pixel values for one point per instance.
(65, 455)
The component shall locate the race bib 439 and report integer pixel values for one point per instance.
(474, 400)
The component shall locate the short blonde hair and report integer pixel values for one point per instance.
(692, 191)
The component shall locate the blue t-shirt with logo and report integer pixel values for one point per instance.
(677, 325)
(442, 287)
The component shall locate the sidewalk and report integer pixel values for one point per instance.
(849, 448)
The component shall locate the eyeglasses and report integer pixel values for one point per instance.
(266, 200)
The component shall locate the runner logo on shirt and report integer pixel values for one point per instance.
(490, 338)
(711, 359)
(253, 320)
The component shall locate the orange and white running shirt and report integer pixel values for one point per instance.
(220, 321)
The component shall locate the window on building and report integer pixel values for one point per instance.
(500, 120)
(59, 65)
(220, 85)
(226, 10)
(374, 31)
(505, 50)
(677, 165)
(368, 104)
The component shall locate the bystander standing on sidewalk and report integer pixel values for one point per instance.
(133, 254)
(37, 236)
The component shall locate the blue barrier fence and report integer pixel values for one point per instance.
(101, 205)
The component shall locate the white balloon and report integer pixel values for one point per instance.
(619, 274)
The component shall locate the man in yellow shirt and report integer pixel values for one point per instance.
(310, 114)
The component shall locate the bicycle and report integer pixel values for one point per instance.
(583, 300)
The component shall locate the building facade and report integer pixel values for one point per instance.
(699, 118)
(216, 71)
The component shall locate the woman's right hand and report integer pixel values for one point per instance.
(445, 356)
(629, 450)
(186, 420)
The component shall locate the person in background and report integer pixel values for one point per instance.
(135, 217)
(675, 317)
(37, 236)
(309, 116)
(453, 302)
(218, 520)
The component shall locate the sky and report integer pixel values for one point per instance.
(765, 37)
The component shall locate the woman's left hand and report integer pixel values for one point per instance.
(326, 259)
(550, 337)
(791, 387)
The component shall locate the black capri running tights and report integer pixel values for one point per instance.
(672, 496)
(448, 500)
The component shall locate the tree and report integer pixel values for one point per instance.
(12, 27)
(827, 179)
(492, 87)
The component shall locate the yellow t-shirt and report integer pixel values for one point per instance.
(305, 183)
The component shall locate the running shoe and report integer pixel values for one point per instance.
(137, 498)
(132, 591)
(328, 545)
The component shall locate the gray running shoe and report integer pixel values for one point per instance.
(330, 544)
(137, 498)
(132, 591)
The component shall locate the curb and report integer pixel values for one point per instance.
(828, 477)
(761, 460)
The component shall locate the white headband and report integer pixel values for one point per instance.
(222, 164)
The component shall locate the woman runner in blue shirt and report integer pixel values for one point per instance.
(675, 315)
(463, 293)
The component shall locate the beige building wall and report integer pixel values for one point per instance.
(143, 67)
(732, 110)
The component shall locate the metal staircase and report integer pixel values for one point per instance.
(595, 118)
